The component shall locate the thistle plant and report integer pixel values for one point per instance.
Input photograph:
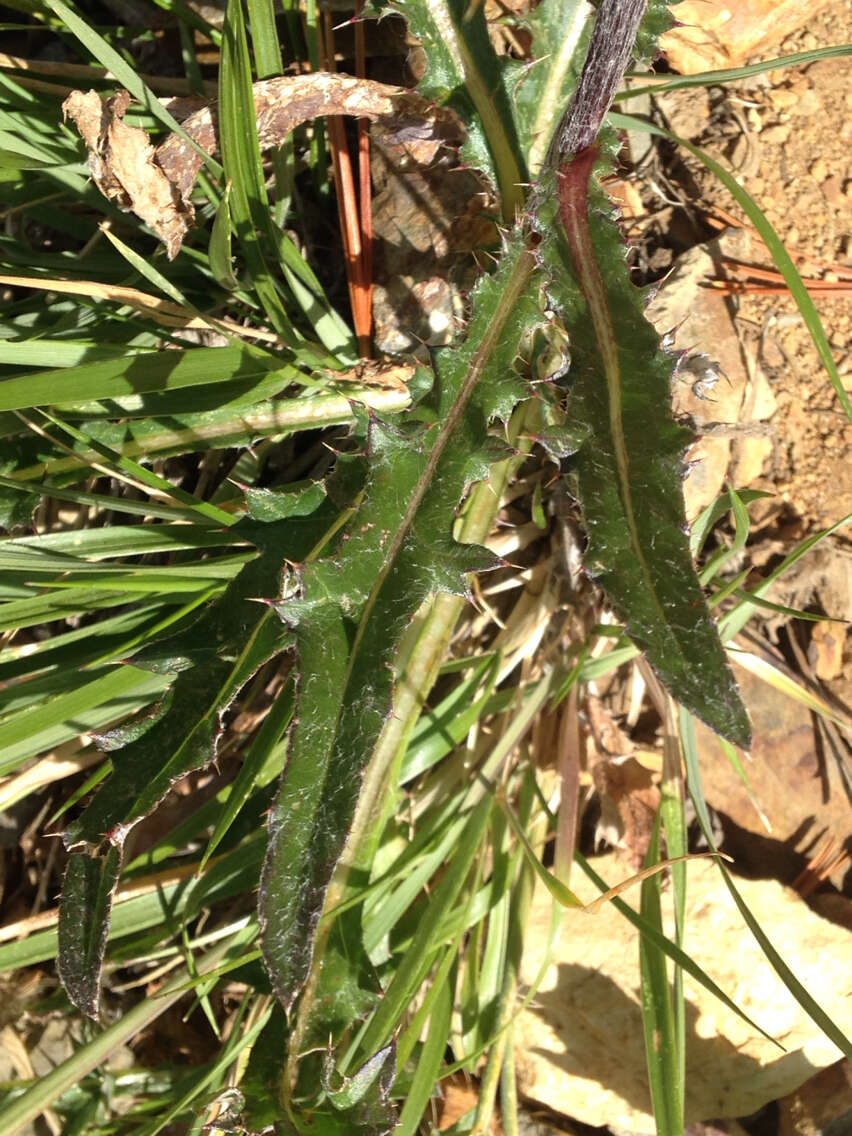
(328, 603)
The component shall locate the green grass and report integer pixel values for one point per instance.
(226, 556)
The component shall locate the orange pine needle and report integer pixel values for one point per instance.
(365, 196)
(348, 209)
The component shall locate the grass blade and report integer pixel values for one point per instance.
(664, 1053)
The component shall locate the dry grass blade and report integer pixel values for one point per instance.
(164, 312)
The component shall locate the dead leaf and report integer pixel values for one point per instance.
(161, 311)
(157, 184)
(629, 802)
(123, 164)
(797, 788)
(286, 102)
(579, 1047)
(428, 215)
(460, 1094)
(377, 373)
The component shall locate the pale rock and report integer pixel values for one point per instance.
(579, 1046)
(752, 452)
(727, 33)
(700, 322)
(751, 457)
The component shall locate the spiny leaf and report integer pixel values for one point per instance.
(212, 660)
(465, 72)
(87, 892)
(543, 88)
(629, 471)
(354, 603)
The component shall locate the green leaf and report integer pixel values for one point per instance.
(90, 706)
(735, 74)
(213, 660)
(710, 516)
(438, 731)
(249, 205)
(162, 370)
(417, 960)
(290, 501)
(465, 72)
(18, 1113)
(230, 426)
(219, 249)
(658, 1019)
(543, 88)
(377, 1071)
(353, 606)
(629, 469)
(559, 890)
(262, 763)
(432, 1054)
(55, 352)
(87, 892)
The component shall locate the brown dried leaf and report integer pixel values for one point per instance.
(123, 164)
(564, 1043)
(157, 185)
(286, 102)
(155, 307)
(629, 802)
(377, 373)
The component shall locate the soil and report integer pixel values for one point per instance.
(786, 134)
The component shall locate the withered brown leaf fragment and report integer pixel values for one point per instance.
(157, 184)
(286, 102)
(385, 373)
(124, 166)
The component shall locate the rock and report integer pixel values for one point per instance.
(796, 787)
(686, 113)
(700, 322)
(750, 453)
(722, 33)
(825, 652)
(579, 1046)
(820, 1107)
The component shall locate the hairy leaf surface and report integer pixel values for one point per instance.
(212, 660)
(630, 468)
(355, 602)
(629, 474)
